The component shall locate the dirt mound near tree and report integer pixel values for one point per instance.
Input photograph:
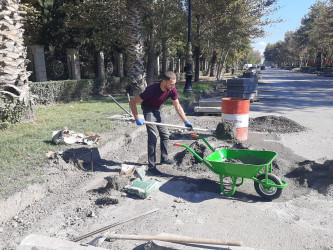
(277, 124)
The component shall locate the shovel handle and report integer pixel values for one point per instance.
(177, 144)
(175, 239)
(177, 126)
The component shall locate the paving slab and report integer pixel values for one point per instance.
(42, 242)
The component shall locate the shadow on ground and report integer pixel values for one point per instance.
(88, 159)
(199, 190)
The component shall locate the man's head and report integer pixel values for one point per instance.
(168, 82)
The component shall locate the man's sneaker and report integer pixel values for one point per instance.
(169, 162)
(153, 171)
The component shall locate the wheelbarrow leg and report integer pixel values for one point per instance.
(233, 185)
(240, 183)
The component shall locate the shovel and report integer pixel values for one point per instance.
(178, 126)
(165, 124)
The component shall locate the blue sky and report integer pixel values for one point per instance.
(292, 12)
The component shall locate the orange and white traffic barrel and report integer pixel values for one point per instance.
(236, 110)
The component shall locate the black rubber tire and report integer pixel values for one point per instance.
(273, 192)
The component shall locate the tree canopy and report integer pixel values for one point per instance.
(221, 28)
(311, 44)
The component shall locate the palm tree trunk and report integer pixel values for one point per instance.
(13, 74)
(137, 82)
(151, 59)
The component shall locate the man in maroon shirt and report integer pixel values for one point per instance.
(151, 103)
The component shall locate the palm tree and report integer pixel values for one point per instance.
(14, 88)
(137, 82)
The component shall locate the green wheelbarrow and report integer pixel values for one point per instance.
(242, 163)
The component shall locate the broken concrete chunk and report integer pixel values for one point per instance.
(133, 171)
(67, 136)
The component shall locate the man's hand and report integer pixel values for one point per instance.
(189, 125)
(139, 121)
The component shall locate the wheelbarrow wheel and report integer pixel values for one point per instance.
(269, 193)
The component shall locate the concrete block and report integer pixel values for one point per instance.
(214, 110)
(42, 242)
(241, 94)
(242, 82)
(210, 102)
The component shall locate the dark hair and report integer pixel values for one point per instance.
(168, 75)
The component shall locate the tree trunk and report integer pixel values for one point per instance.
(137, 82)
(224, 63)
(219, 68)
(151, 57)
(197, 52)
(13, 74)
(101, 65)
(197, 63)
(164, 55)
(208, 68)
(213, 64)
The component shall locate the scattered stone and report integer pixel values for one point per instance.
(50, 155)
(91, 214)
(179, 200)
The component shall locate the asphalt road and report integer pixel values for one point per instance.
(303, 98)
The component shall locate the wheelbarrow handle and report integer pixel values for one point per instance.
(200, 137)
(196, 155)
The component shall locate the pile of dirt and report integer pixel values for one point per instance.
(225, 131)
(277, 124)
(117, 182)
(311, 174)
(186, 161)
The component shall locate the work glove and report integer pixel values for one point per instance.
(189, 125)
(140, 121)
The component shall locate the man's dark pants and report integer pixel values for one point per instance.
(156, 115)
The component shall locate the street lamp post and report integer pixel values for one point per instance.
(188, 84)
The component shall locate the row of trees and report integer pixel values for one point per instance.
(141, 30)
(311, 44)
(222, 30)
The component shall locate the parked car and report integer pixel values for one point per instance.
(263, 67)
(252, 69)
